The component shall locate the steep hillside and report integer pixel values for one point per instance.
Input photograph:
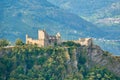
(104, 58)
(21, 17)
(67, 61)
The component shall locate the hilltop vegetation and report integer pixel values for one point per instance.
(4, 42)
(67, 61)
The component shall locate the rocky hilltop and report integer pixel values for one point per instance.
(67, 61)
(96, 56)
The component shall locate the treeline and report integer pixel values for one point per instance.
(4, 42)
(29, 62)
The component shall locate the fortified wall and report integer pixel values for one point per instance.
(44, 39)
(47, 40)
(84, 41)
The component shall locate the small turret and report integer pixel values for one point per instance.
(58, 36)
(26, 36)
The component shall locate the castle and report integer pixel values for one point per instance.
(44, 39)
(47, 40)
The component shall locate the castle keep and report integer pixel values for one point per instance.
(47, 40)
(44, 39)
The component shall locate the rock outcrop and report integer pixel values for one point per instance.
(103, 58)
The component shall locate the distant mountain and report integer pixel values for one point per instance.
(100, 12)
(83, 7)
(26, 17)
(109, 15)
(108, 18)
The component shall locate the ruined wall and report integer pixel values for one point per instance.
(44, 39)
(84, 41)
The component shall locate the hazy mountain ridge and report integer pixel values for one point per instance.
(41, 14)
(87, 7)
(99, 11)
(109, 15)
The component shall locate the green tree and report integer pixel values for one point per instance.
(100, 73)
(4, 42)
(19, 42)
(71, 43)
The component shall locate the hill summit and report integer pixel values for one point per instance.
(67, 61)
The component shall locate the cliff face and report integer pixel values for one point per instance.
(95, 56)
(99, 57)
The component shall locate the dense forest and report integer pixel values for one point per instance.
(29, 62)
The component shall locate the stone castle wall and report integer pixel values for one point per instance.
(44, 39)
(84, 41)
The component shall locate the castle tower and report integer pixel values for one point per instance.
(43, 38)
(58, 37)
(41, 35)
